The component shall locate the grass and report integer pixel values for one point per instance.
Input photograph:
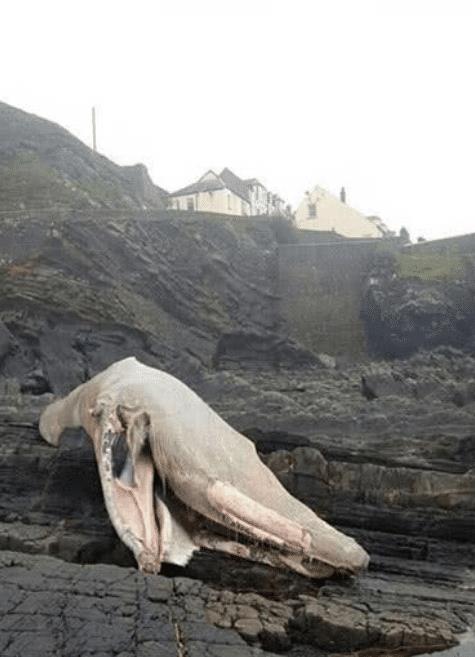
(430, 267)
(26, 180)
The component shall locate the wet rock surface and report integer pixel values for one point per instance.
(396, 471)
(51, 608)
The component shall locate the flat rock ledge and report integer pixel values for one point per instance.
(49, 607)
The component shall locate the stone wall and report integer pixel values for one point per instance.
(354, 298)
(459, 244)
(320, 289)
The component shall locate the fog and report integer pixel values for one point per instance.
(376, 96)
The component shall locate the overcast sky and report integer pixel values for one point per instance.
(375, 95)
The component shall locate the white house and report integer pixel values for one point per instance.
(320, 210)
(226, 193)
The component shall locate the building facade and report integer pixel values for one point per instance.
(321, 210)
(226, 193)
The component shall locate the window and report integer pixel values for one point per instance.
(312, 210)
(190, 203)
(178, 204)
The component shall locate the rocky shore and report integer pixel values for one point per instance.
(385, 451)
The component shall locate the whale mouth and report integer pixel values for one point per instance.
(186, 527)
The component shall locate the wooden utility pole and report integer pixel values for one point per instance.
(94, 143)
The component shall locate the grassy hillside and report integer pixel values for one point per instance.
(42, 164)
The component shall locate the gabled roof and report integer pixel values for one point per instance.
(379, 223)
(208, 185)
(253, 181)
(209, 175)
(226, 180)
(208, 182)
(235, 184)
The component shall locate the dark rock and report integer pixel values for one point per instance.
(92, 291)
(380, 380)
(49, 608)
(35, 383)
(418, 299)
(235, 350)
(5, 341)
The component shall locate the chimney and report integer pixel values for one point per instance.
(343, 195)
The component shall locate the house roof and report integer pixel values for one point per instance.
(253, 181)
(235, 184)
(226, 180)
(379, 223)
(200, 186)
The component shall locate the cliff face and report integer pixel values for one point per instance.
(419, 299)
(43, 165)
(180, 292)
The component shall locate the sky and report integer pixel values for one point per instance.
(374, 95)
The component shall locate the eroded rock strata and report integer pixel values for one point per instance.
(395, 470)
(183, 292)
